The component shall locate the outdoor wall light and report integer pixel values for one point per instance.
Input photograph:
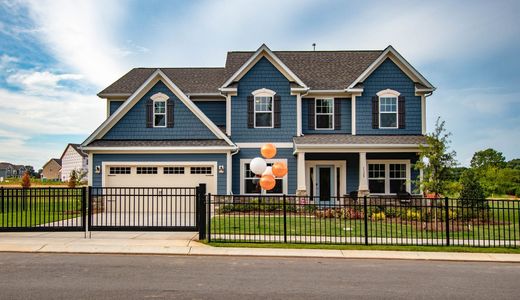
(98, 169)
(221, 169)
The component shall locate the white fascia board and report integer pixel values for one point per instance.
(259, 145)
(159, 149)
(269, 54)
(386, 53)
(132, 100)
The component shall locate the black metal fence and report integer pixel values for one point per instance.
(43, 209)
(129, 208)
(367, 221)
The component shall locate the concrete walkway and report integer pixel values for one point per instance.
(184, 243)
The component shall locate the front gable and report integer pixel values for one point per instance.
(132, 126)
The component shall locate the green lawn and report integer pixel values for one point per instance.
(34, 207)
(266, 224)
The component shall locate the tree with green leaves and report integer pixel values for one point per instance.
(488, 158)
(436, 160)
(514, 164)
(472, 196)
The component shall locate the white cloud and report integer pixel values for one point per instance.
(44, 82)
(6, 61)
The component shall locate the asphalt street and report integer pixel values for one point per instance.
(75, 276)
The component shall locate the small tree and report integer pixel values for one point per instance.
(26, 180)
(73, 179)
(472, 196)
(436, 160)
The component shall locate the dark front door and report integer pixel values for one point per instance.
(324, 183)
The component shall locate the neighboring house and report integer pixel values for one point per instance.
(51, 170)
(73, 158)
(343, 121)
(11, 170)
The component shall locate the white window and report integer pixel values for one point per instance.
(159, 113)
(146, 170)
(388, 177)
(251, 183)
(200, 170)
(119, 170)
(324, 113)
(388, 109)
(173, 170)
(263, 108)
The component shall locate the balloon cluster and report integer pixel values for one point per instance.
(267, 174)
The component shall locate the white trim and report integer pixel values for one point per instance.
(159, 97)
(90, 170)
(316, 114)
(300, 169)
(106, 164)
(263, 51)
(298, 114)
(263, 94)
(160, 149)
(391, 95)
(342, 164)
(387, 163)
(391, 53)
(353, 116)
(228, 115)
(259, 145)
(139, 93)
(285, 180)
(423, 114)
(229, 173)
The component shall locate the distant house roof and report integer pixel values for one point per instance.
(320, 70)
(76, 147)
(57, 160)
(4, 165)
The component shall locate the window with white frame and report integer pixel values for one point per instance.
(251, 183)
(146, 170)
(119, 170)
(264, 111)
(159, 113)
(388, 109)
(388, 177)
(324, 114)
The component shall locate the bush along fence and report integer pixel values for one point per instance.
(367, 221)
(43, 209)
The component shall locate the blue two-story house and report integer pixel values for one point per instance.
(343, 121)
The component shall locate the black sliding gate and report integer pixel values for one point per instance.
(144, 209)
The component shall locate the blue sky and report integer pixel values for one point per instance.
(56, 55)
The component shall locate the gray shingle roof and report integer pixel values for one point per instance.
(78, 149)
(359, 139)
(320, 70)
(157, 143)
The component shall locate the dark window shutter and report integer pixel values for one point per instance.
(337, 114)
(310, 113)
(250, 111)
(375, 112)
(402, 112)
(170, 114)
(149, 113)
(277, 111)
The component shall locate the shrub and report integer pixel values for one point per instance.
(26, 180)
(412, 215)
(380, 216)
(73, 179)
(392, 212)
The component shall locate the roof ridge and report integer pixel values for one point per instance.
(177, 68)
(313, 51)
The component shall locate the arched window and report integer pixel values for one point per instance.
(159, 109)
(388, 109)
(263, 108)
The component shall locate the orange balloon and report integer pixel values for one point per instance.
(267, 182)
(279, 169)
(268, 151)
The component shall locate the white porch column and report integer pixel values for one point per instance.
(301, 189)
(353, 109)
(298, 114)
(363, 174)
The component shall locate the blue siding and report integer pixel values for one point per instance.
(133, 124)
(215, 110)
(388, 76)
(100, 158)
(346, 117)
(114, 105)
(263, 75)
(252, 153)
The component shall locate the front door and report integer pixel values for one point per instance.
(324, 183)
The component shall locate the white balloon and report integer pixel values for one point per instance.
(268, 171)
(258, 165)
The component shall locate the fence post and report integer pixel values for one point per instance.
(201, 211)
(208, 233)
(2, 199)
(365, 208)
(446, 204)
(89, 210)
(284, 218)
(84, 208)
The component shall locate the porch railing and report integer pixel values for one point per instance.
(367, 220)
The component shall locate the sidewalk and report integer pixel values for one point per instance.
(184, 243)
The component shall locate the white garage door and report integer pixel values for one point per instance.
(178, 175)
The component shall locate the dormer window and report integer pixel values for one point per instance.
(159, 109)
(388, 109)
(263, 108)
